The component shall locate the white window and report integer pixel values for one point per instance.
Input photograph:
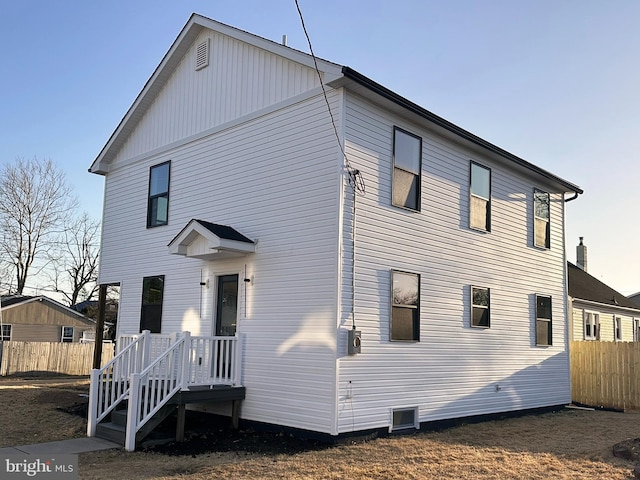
(543, 320)
(636, 329)
(407, 166)
(5, 334)
(480, 197)
(541, 225)
(67, 334)
(405, 306)
(158, 201)
(480, 307)
(591, 326)
(617, 328)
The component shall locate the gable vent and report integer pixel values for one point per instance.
(202, 55)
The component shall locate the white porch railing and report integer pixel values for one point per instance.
(150, 369)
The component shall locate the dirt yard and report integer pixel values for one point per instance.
(571, 444)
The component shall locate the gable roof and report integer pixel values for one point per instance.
(332, 74)
(635, 298)
(586, 287)
(13, 301)
(216, 241)
(170, 62)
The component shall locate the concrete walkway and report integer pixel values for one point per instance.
(71, 446)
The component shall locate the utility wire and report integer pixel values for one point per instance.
(355, 177)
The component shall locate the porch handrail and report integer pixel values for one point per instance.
(154, 386)
(109, 385)
(212, 361)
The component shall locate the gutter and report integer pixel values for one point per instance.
(567, 200)
(635, 311)
(441, 122)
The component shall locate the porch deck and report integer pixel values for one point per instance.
(152, 374)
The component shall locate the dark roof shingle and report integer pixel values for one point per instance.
(586, 287)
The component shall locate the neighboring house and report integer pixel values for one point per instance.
(89, 308)
(598, 312)
(41, 319)
(229, 211)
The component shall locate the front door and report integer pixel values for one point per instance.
(227, 305)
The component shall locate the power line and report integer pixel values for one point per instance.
(355, 177)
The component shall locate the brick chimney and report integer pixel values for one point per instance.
(581, 255)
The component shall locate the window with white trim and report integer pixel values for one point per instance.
(541, 214)
(543, 320)
(636, 329)
(480, 307)
(617, 328)
(479, 197)
(5, 334)
(67, 335)
(407, 166)
(591, 325)
(405, 306)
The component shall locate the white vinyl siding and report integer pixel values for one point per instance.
(275, 180)
(453, 370)
(605, 316)
(239, 79)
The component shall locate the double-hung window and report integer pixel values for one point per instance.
(5, 333)
(480, 307)
(67, 335)
(543, 320)
(152, 295)
(617, 328)
(407, 165)
(158, 203)
(480, 197)
(405, 306)
(591, 325)
(541, 225)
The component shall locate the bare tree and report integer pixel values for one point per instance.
(35, 206)
(75, 272)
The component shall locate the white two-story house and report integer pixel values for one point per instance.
(378, 266)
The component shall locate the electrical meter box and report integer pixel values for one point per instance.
(355, 342)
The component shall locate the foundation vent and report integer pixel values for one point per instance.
(404, 418)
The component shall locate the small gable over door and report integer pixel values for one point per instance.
(210, 241)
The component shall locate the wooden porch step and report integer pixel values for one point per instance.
(111, 431)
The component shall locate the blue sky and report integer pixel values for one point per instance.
(557, 83)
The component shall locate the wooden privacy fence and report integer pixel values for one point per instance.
(48, 357)
(606, 374)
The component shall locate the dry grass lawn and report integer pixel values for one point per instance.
(572, 444)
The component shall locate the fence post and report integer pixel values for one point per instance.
(184, 361)
(93, 403)
(133, 412)
(1, 348)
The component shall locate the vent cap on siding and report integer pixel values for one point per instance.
(202, 55)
